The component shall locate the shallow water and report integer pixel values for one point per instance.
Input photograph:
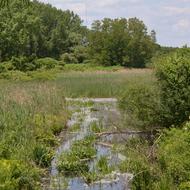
(105, 113)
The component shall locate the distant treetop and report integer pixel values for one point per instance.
(4, 3)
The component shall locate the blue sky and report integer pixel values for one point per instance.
(169, 18)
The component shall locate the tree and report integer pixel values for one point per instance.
(120, 41)
(38, 29)
(4, 3)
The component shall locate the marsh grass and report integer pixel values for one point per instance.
(89, 68)
(102, 84)
(31, 114)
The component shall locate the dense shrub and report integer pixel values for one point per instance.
(15, 175)
(42, 75)
(164, 166)
(173, 155)
(2, 68)
(173, 73)
(68, 58)
(15, 76)
(80, 53)
(141, 105)
(25, 63)
(8, 66)
(47, 63)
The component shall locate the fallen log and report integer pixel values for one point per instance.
(120, 132)
(105, 144)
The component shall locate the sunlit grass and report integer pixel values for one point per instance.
(102, 84)
(31, 114)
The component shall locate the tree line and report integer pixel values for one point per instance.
(41, 30)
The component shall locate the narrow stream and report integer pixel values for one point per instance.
(85, 112)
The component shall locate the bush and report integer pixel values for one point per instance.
(141, 105)
(15, 175)
(42, 75)
(15, 76)
(173, 73)
(25, 63)
(80, 53)
(8, 66)
(173, 155)
(164, 166)
(47, 63)
(2, 68)
(68, 58)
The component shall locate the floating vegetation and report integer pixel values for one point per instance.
(75, 162)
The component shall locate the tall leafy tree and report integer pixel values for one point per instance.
(38, 29)
(4, 3)
(121, 41)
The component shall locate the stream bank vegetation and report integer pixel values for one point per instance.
(46, 54)
(30, 120)
(164, 162)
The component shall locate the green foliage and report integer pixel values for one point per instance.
(96, 128)
(123, 42)
(25, 63)
(2, 68)
(4, 3)
(42, 75)
(15, 76)
(6, 66)
(78, 54)
(89, 67)
(173, 73)
(68, 58)
(164, 166)
(28, 64)
(28, 117)
(141, 106)
(47, 63)
(173, 154)
(42, 155)
(74, 162)
(38, 29)
(103, 166)
(15, 175)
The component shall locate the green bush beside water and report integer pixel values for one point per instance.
(167, 166)
(75, 161)
(164, 163)
(173, 73)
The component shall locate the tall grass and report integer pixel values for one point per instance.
(31, 114)
(102, 84)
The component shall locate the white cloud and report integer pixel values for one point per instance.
(182, 25)
(177, 10)
(170, 18)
